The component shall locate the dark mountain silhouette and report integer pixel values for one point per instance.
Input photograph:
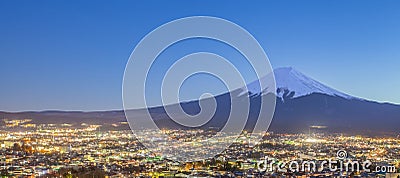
(301, 102)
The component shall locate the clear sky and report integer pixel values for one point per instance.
(71, 55)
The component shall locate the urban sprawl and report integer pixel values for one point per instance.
(65, 150)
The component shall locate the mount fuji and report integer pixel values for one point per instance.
(301, 102)
(291, 83)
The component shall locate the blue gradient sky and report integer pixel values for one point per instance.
(71, 55)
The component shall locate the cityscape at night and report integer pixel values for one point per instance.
(54, 150)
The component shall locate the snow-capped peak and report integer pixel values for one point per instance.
(291, 83)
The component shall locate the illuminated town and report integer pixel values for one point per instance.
(63, 150)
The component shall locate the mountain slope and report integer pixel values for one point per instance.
(339, 114)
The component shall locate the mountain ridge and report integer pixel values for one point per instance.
(305, 102)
